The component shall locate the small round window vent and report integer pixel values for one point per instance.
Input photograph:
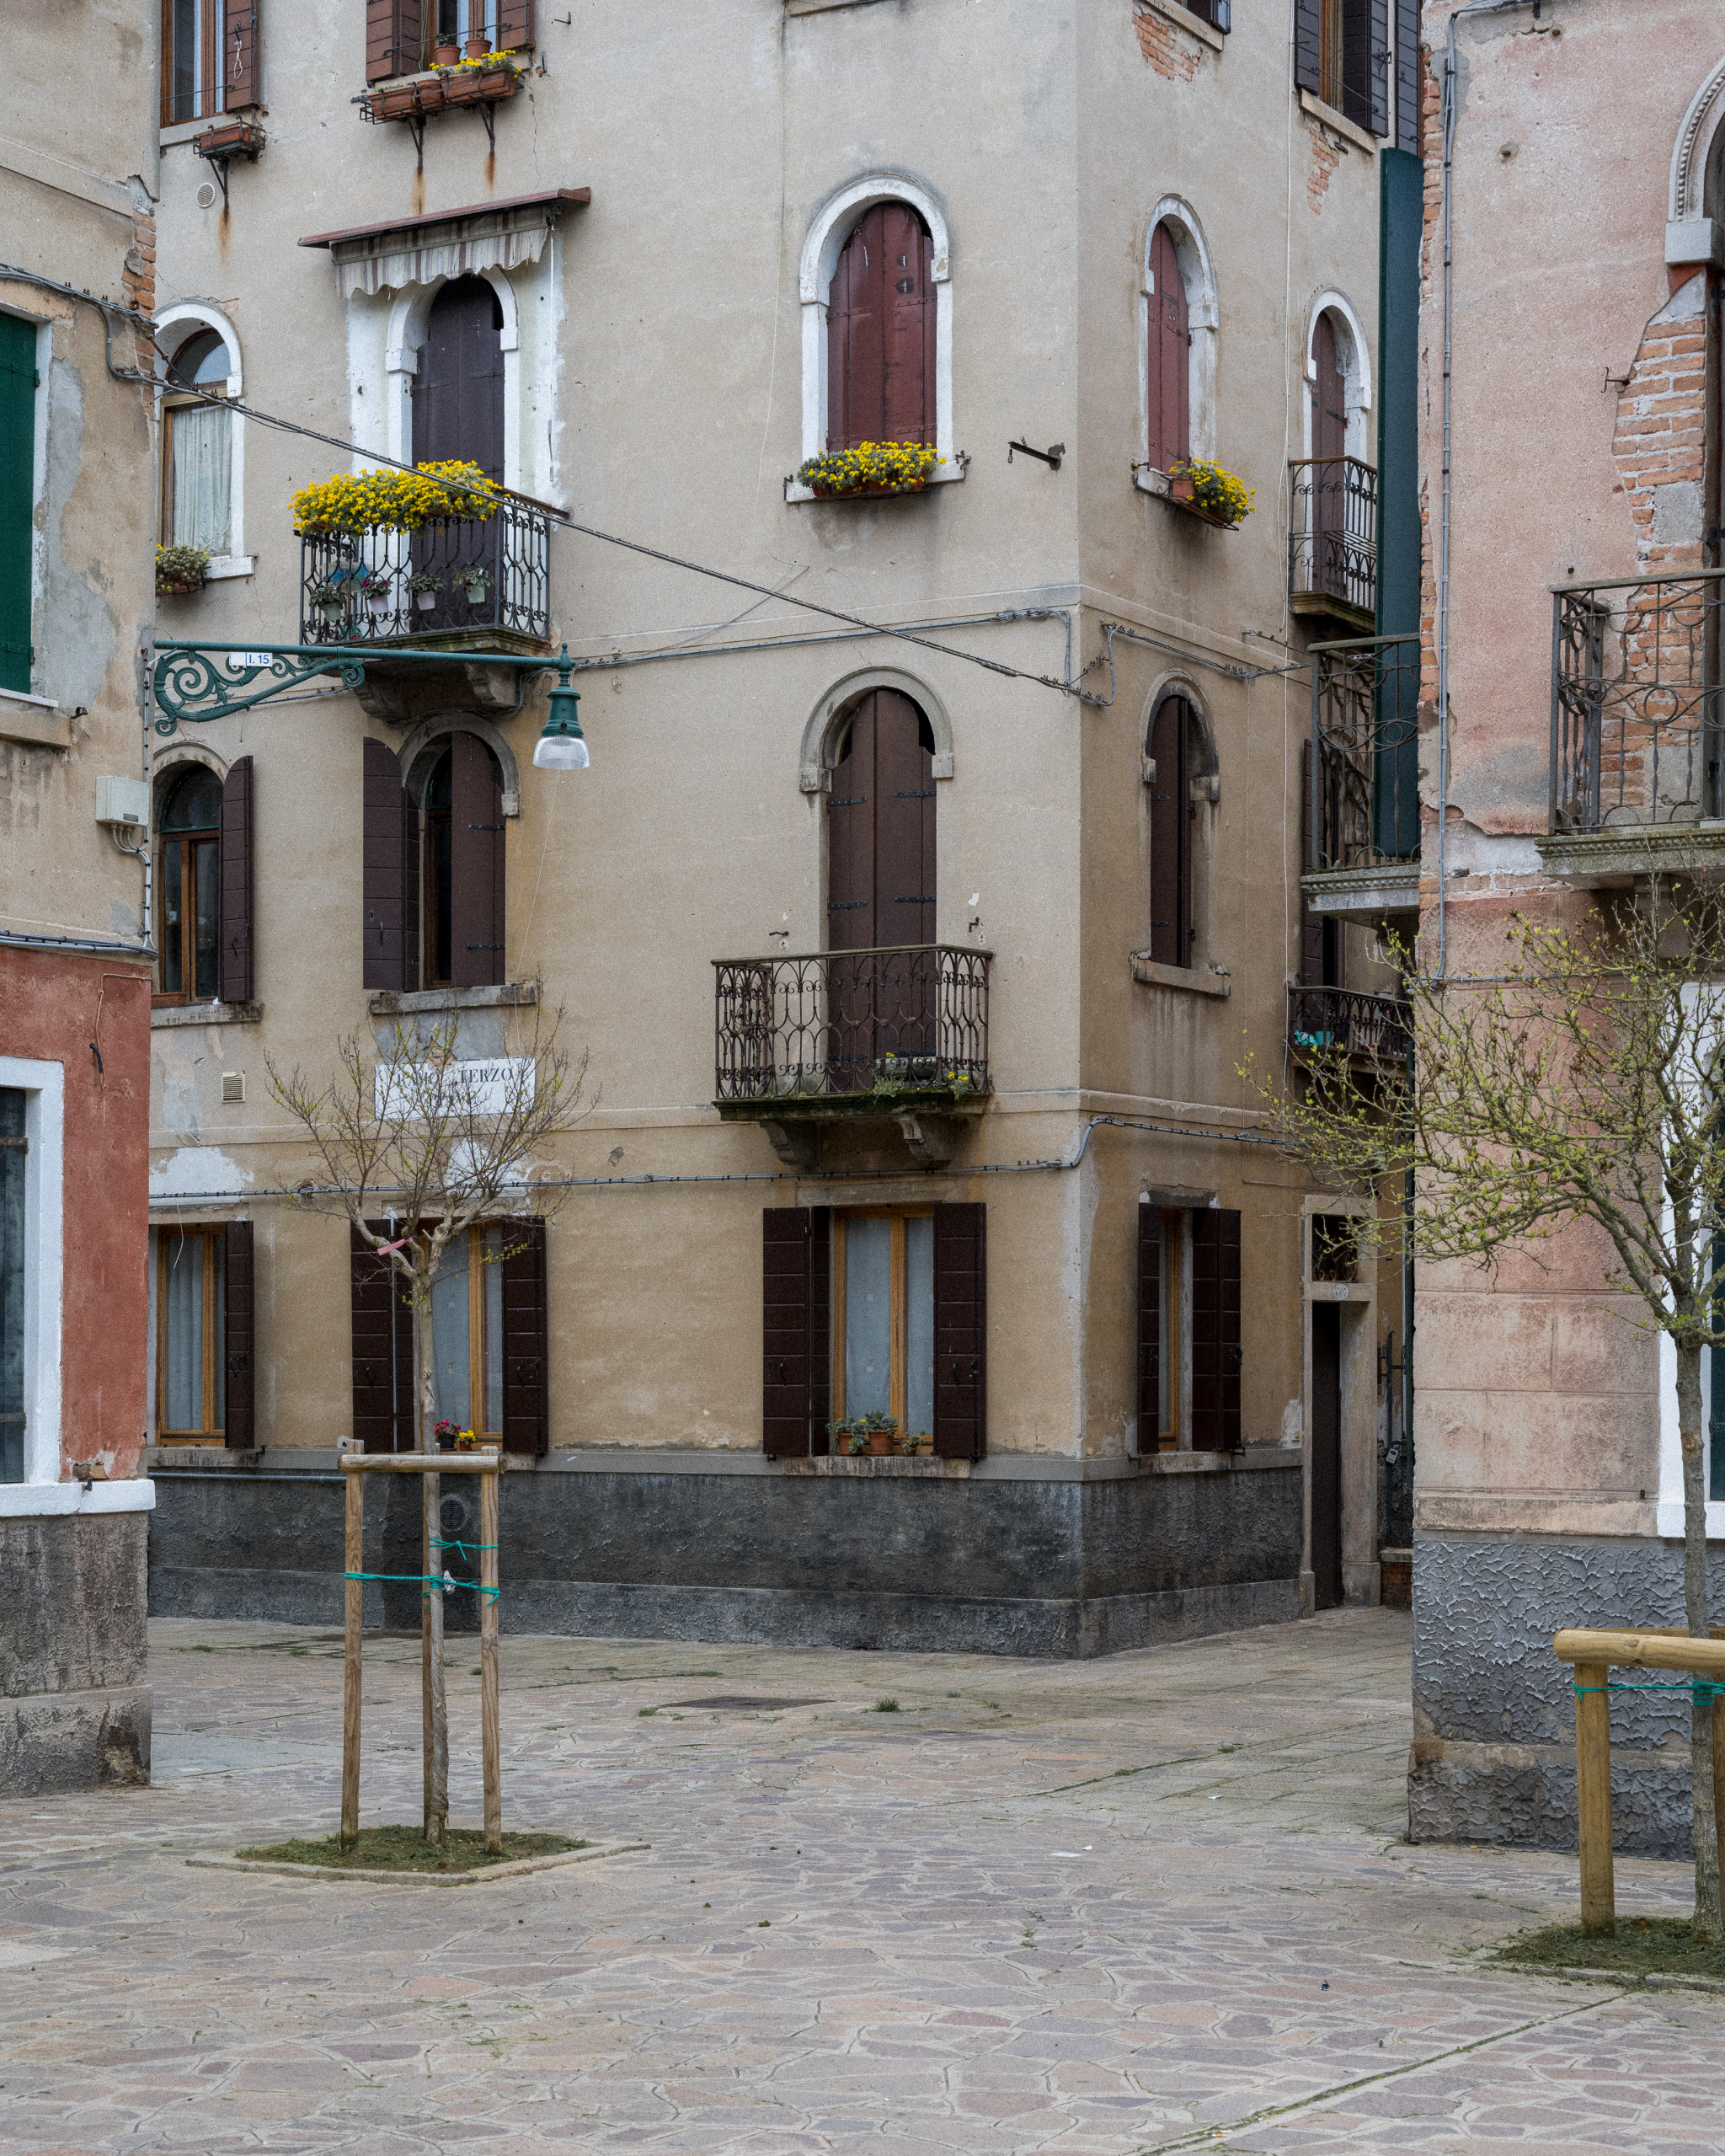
(206, 196)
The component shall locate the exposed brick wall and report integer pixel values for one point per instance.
(1660, 440)
(137, 278)
(1326, 155)
(1170, 53)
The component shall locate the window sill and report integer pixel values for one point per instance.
(1252, 1458)
(42, 1500)
(1194, 26)
(1194, 982)
(168, 1014)
(1327, 115)
(945, 477)
(37, 720)
(918, 1467)
(221, 566)
(823, 7)
(395, 1002)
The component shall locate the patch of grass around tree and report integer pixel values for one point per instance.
(1645, 1946)
(405, 1849)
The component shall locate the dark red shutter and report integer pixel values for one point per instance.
(458, 392)
(1329, 395)
(881, 316)
(384, 1416)
(412, 848)
(850, 853)
(527, 1418)
(960, 1331)
(476, 864)
(1170, 834)
(796, 1401)
(233, 962)
(168, 63)
(393, 38)
(1309, 45)
(239, 1337)
(384, 869)
(240, 51)
(1216, 1330)
(1170, 356)
(515, 25)
(1150, 1327)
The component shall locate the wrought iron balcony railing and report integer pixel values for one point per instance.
(848, 1026)
(1346, 1021)
(1366, 752)
(453, 574)
(1332, 532)
(1636, 718)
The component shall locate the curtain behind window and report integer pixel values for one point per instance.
(202, 470)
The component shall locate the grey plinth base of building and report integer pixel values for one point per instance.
(74, 1705)
(1493, 1757)
(1057, 1569)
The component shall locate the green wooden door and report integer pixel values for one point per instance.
(18, 457)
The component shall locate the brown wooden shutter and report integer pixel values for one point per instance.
(1150, 1326)
(903, 822)
(1309, 45)
(515, 25)
(796, 1400)
(240, 55)
(393, 38)
(234, 958)
(851, 807)
(527, 1415)
(1170, 834)
(476, 864)
(881, 317)
(1216, 1330)
(960, 1331)
(1170, 356)
(384, 869)
(384, 1416)
(1320, 937)
(1379, 60)
(239, 1337)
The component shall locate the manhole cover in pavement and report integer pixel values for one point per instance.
(737, 1702)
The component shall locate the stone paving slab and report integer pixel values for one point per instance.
(1156, 1903)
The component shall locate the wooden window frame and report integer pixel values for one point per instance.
(475, 1236)
(1175, 1326)
(210, 1433)
(161, 997)
(209, 75)
(897, 1315)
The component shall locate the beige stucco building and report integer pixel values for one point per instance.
(1009, 1190)
(1582, 495)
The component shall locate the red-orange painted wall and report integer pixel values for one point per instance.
(53, 1005)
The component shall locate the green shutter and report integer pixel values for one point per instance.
(18, 460)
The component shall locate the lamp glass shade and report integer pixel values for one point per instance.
(560, 753)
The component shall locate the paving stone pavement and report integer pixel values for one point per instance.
(1157, 1901)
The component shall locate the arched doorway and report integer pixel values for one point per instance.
(458, 418)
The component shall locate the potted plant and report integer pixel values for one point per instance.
(329, 599)
(1214, 496)
(375, 585)
(477, 45)
(180, 570)
(874, 468)
(476, 582)
(446, 55)
(424, 585)
(445, 1432)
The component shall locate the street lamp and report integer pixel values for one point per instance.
(562, 746)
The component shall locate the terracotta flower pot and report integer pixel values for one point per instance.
(446, 55)
(477, 46)
(880, 1443)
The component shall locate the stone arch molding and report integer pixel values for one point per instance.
(1359, 370)
(442, 723)
(1202, 317)
(828, 230)
(827, 722)
(172, 756)
(410, 317)
(1692, 228)
(1178, 684)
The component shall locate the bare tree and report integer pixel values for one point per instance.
(1584, 1082)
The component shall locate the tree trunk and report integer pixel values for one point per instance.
(1707, 1927)
(436, 1732)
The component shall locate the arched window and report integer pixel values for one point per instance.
(1169, 768)
(461, 866)
(1170, 356)
(881, 332)
(197, 472)
(204, 885)
(458, 406)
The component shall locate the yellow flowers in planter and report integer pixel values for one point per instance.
(395, 501)
(1217, 493)
(873, 467)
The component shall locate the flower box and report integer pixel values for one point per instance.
(233, 138)
(1205, 490)
(867, 493)
(485, 86)
(1180, 493)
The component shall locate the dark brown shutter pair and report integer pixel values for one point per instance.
(1150, 1326)
(1354, 80)
(477, 834)
(235, 66)
(881, 822)
(797, 1331)
(526, 1412)
(239, 1337)
(458, 392)
(1215, 1349)
(1170, 356)
(881, 314)
(389, 873)
(1169, 748)
(394, 38)
(241, 54)
(234, 964)
(390, 869)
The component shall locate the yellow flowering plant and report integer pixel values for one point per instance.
(1218, 493)
(872, 467)
(355, 502)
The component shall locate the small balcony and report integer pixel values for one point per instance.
(1362, 836)
(1638, 769)
(1332, 540)
(456, 579)
(1365, 1029)
(899, 1034)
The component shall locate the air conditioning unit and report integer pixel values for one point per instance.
(124, 801)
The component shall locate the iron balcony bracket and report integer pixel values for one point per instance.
(189, 685)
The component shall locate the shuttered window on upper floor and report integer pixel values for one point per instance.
(881, 315)
(17, 497)
(211, 52)
(402, 35)
(1343, 55)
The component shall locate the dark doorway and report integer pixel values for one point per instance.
(1327, 1455)
(1329, 443)
(462, 870)
(1170, 814)
(880, 888)
(458, 418)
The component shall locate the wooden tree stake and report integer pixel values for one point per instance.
(1593, 1790)
(355, 1615)
(490, 1737)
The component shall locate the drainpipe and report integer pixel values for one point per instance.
(1474, 8)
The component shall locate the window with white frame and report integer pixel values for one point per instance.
(202, 470)
(1177, 317)
(32, 1110)
(14, 1145)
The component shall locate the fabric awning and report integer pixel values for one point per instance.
(500, 235)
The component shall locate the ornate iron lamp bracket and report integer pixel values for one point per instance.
(195, 682)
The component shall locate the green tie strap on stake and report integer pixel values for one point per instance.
(428, 1580)
(1703, 1688)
